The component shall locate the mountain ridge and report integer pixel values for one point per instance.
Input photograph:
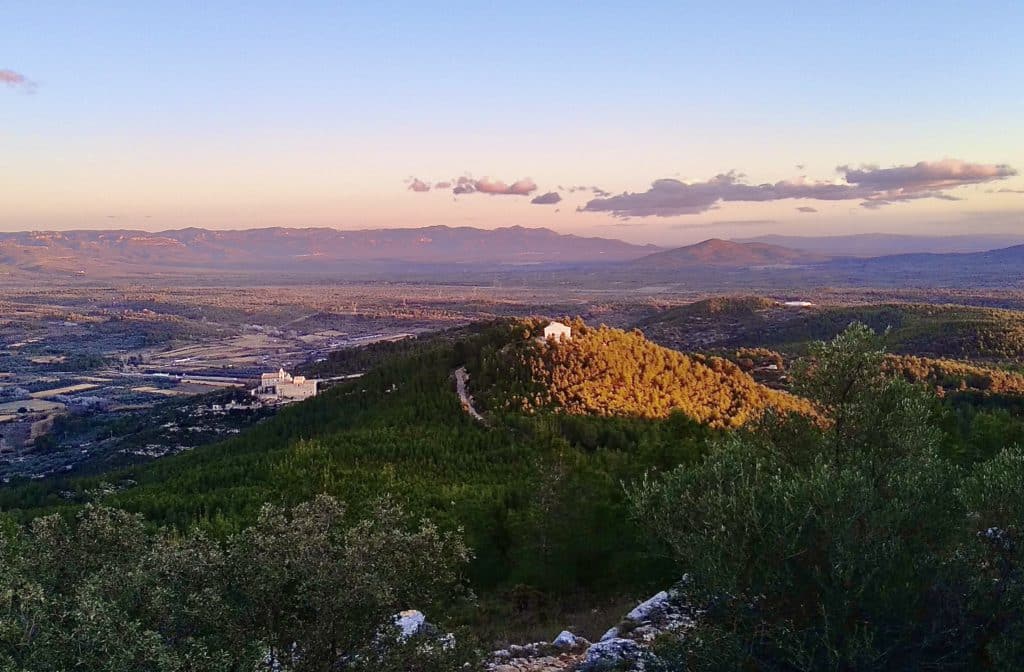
(295, 249)
(727, 253)
(445, 252)
(882, 244)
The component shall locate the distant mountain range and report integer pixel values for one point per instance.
(522, 255)
(716, 264)
(120, 252)
(1007, 261)
(880, 244)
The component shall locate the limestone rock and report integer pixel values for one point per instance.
(567, 640)
(612, 652)
(409, 622)
(646, 609)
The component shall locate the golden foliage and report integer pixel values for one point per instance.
(608, 371)
(749, 358)
(948, 374)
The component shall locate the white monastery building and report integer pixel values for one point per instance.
(558, 331)
(282, 386)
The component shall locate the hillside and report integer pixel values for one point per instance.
(942, 331)
(400, 431)
(610, 372)
(726, 253)
(553, 505)
(951, 375)
(719, 307)
(114, 252)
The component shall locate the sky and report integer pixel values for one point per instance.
(663, 122)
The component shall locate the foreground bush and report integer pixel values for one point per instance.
(300, 589)
(849, 547)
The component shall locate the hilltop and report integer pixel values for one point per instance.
(727, 253)
(399, 430)
(610, 372)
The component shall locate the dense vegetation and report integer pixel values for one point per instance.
(540, 497)
(608, 372)
(946, 374)
(348, 361)
(853, 546)
(886, 537)
(947, 331)
(301, 589)
(719, 306)
(959, 332)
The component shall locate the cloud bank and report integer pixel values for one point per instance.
(873, 186)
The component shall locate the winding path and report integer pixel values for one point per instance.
(461, 378)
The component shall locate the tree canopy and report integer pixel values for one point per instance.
(610, 372)
(852, 545)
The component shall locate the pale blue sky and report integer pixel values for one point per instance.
(315, 113)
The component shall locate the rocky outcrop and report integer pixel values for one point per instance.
(538, 657)
(627, 646)
(616, 653)
(567, 640)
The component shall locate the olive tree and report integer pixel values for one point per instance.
(820, 544)
(304, 588)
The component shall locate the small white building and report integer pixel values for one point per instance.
(281, 386)
(558, 331)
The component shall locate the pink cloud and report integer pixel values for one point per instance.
(485, 185)
(16, 80)
(496, 187)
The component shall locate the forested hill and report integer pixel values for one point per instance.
(400, 432)
(907, 508)
(940, 331)
(610, 372)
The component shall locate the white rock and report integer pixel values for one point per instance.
(409, 622)
(643, 611)
(611, 652)
(613, 633)
(566, 640)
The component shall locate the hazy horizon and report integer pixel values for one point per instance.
(657, 124)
